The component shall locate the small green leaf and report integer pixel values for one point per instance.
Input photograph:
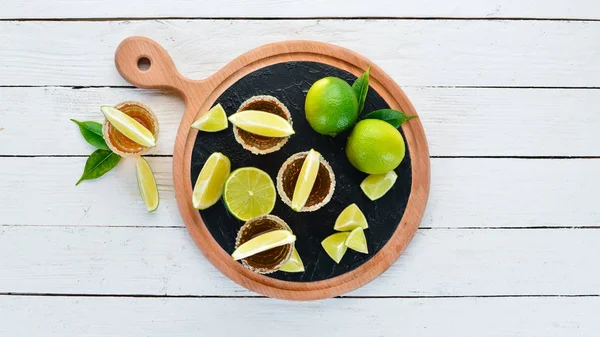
(361, 87)
(99, 162)
(394, 117)
(92, 132)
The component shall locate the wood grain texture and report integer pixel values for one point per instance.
(431, 317)
(505, 122)
(476, 193)
(199, 96)
(580, 9)
(413, 52)
(164, 261)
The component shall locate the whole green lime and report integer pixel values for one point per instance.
(331, 106)
(375, 147)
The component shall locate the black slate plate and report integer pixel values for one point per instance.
(289, 82)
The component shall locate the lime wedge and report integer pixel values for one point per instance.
(212, 121)
(357, 241)
(335, 245)
(209, 185)
(294, 264)
(249, 192)
(147, 184)
(350, 218)
(263, 242)
(376, 186)
(262, 123)
(306, 179)
(128, 126)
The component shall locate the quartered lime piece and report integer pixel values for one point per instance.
(350, 218)
(263, 242)
(209, 185)
(212, 121)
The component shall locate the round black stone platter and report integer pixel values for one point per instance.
(289, 82)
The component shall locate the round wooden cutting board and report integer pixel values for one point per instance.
(286, 70)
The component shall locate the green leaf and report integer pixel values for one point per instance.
(92, 132)
(99, 162)
(361, 87)
(394, 117)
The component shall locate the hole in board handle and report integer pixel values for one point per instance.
(144, 63)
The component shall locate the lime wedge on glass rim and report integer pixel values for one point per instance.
(294, 264)
(335, 245)
(263, 242)
(262, 123)
(147, 184)
(209, 185)
(357, 241)
(249, 192)
(350, 218)
(128, 126)
(376, 186)
(212, 121)
(306, 179)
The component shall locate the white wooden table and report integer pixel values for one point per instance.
(508, 92)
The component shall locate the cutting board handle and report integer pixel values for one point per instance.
(145, 64)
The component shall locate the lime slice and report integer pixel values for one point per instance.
(294, 264)
(212, 121)
(357, 241)
(350, 218)
(263, 242)
(306, 179)
(147, 184)
(335, 245)
(249, 192)
(128, 126)
(262, 123)
(209, 185)
(376, 186)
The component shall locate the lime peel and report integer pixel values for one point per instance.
(263, 243)
(128, 126)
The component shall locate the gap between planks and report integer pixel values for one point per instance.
(285, 18)
(258, 296)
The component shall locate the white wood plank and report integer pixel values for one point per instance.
(413, 52)
(434, 317)
(464, 193)
(165, 261)
(458, 121)
(580, 9)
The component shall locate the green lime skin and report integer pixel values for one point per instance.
(331, 106)
(375, 147)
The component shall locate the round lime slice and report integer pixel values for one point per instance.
(249, 192)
